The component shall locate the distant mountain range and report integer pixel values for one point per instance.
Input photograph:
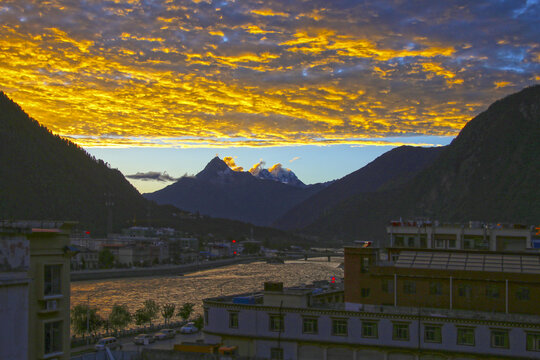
(45, 177)
(490, 172)
(218, 191)
(389, 170)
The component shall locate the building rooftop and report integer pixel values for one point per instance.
(515, 263)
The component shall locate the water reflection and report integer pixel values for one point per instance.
(194, 287)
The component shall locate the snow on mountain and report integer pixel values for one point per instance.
(276, 173)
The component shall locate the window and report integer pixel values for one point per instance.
(52, 281)
(465, 336)
(339, 327)
(523, 294)
(464, 290)
(499, 339)
(53, 337)
(387, 286)
(276, 323)
(365, 264)
(276, 354)
(435, 288)
(205, 316)
(364, 292)
(369, 329)
(452, 244)
(432, 333)
(533, 341)
(409, 287)
(411, 242)
(309, 326)
(492, 291)
(439, 244)
(400, 332)
(399, 241)
(233, 320)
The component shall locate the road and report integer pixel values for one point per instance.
(128, 345)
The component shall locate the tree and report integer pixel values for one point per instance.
(167, 311)
(119, 317)
(106, 259)
(186, 310)
(199, 322)
(85, 319)
(152, 309)
(141, 316)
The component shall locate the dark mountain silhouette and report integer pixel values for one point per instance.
(389, 170)
(490, 172)
(218, 191)
(46, 177)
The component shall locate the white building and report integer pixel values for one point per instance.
(292, 324)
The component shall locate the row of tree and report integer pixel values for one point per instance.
(86, 320)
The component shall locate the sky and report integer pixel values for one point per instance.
(322, 87)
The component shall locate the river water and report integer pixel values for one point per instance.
(193, 287)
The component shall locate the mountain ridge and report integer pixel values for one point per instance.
(219, 191)
(489, 173)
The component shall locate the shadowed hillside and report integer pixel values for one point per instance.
(490, 172)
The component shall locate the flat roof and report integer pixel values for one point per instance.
(515, 263)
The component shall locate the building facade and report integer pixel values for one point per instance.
(470, 236)
(46, 302)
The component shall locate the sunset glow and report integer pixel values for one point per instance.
(261, 73)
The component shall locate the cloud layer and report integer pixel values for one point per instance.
(152, 176)
(262, 73)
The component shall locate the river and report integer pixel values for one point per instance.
(193, 287)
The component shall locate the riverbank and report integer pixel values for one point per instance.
(177, 270)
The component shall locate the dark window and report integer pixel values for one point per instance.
(432, 334)
(53, 337)
(364, 292)
(369, 329)
(533, 341)
(365, 264)
(435, 288)
(309, 326)
(465, 291)
(233, 320)
(523, 294)
(465, 336)
(339, 327)
(387, 286)
(52, 283)
(409, 287)
(400, 332)
(492, 291)
(276, 354)
(276, 323)
(499, 339)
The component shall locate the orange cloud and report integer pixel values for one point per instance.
(229, 160)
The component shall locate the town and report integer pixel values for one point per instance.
(431, 289)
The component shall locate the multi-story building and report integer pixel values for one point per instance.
(471, 236)
(37, 321)
(399, 303)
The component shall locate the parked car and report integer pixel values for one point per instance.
(165, 334)
(189, 328)
(143, 339)
(110, 342)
